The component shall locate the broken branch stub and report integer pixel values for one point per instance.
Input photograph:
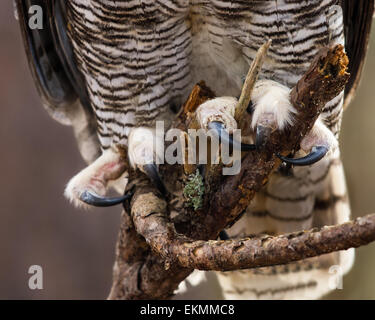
(251, 78)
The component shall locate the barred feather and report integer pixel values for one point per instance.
(142, 57)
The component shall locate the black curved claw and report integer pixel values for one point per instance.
(151, 171)
(223, 235)
(99, 201)
(226, 138)
(317, 153)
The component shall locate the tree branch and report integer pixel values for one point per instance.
(252, 252)
(174, 254)
(138, 272)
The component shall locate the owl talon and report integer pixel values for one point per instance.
(151, 171)
(219, 128)
(223, 235)
(272, 109)
(93, 199)
(90, 185)
(316, 154)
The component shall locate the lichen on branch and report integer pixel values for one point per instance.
(194, 190)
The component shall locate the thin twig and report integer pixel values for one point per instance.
(250, 80)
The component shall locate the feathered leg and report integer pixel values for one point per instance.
(89, 186)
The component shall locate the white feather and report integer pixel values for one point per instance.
(272, 104)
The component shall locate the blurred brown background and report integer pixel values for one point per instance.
(76, 248)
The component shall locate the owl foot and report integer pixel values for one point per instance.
(317, 143)
(272, 110)
(143, 144)
(89, 186)
(218, 115)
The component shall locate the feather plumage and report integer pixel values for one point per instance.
(139, 58)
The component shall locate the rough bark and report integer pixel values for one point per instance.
(138, 272)
(153, 258)
(252, 252)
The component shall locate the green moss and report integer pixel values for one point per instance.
(194, 190)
